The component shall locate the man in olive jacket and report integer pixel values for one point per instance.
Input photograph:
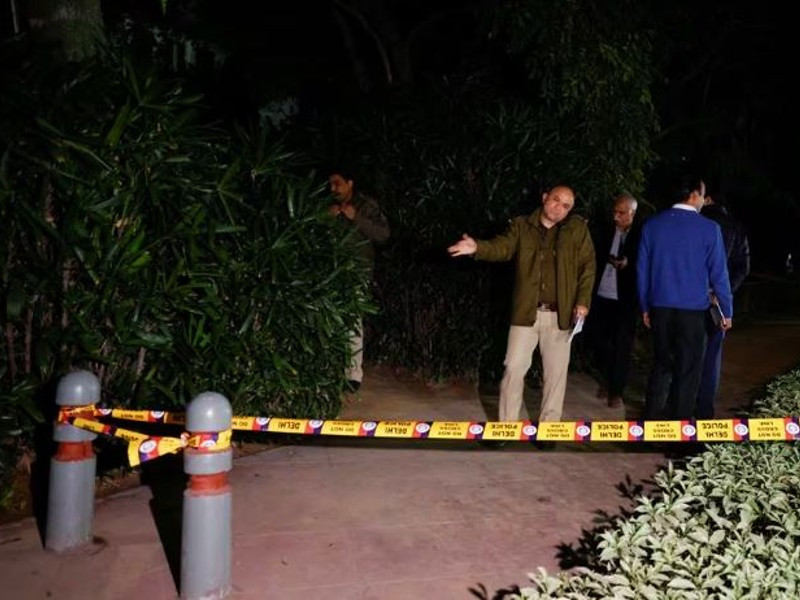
(364, 215)
(554, 276)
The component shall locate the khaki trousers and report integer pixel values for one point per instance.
(355, 372)
(554, 346)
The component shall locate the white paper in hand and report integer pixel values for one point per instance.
(577, 328)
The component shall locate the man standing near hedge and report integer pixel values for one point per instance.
(737, 250)
(681, 257)
(612, 326)
(553, 289)
(365, 216)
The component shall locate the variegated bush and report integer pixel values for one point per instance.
(725, 525)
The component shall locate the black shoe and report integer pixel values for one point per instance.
(353, 386)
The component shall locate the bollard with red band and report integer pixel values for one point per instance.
(70, 502)
(206, 539)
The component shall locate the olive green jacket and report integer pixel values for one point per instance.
(370, 225)
(575, 265)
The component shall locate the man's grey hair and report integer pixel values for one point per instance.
(626, 197)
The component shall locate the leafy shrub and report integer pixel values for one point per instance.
(458, 166)
(163, 254)
(723, 526)
(468, 153)
(783, 397)
(439, 316)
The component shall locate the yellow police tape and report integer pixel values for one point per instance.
(143, 447)
(143, 416)
(711, 430)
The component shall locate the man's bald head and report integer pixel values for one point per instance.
(556, 205)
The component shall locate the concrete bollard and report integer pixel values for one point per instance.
(70, 502)
(207, 537)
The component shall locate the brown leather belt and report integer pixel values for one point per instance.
(547, 307)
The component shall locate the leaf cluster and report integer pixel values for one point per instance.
(724, 525)
(165, 254)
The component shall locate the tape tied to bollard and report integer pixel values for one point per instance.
(208, 441)
(709, 430)
(141, 447)
(86, 411)
(142, 416)
(153, 447)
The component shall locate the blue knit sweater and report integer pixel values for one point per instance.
(681, 258)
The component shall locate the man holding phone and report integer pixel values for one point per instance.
(612, 324)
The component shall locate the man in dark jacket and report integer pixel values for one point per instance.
(553, 289)
(737, 251)
(365, 216)
(612, 325)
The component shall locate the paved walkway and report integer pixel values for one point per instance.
(378, 519)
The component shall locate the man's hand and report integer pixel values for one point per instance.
(646, 319)
(579, 312)
(620, 263)
(348, 210)
(726, 324)
(463, 247)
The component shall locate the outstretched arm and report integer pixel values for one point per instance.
(466, 246)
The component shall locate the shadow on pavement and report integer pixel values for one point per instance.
(482, 593)
(167, 482)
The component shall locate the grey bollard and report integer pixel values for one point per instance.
(70, 501)
(206, 541)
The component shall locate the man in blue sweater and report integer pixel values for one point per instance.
(681, 261)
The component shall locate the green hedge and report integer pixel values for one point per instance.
(466, 152)
(458, 164)
(465, 156)
(165, 255)
(726, 525)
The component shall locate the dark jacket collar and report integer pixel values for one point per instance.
(714, 210)
(568, 223)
